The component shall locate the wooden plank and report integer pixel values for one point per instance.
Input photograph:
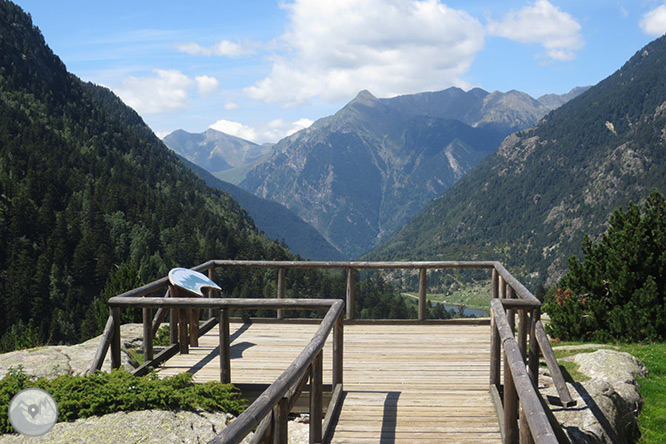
(424, 383)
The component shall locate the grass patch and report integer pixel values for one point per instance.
(475, 295)
(652, 420)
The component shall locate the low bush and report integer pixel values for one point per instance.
(102, 393)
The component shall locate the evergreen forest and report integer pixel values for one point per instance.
(93, 204)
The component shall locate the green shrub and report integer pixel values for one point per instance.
(618, 291)
(103, 393)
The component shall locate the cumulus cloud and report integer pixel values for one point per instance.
(272, 131)
(543, 23)
(387, 46)
(235, 129)
(654, 21)
(206, 85)
(224, 48)
(166, 91)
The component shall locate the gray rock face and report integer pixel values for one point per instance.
(148, 426)
(54, 360)
(607, 405)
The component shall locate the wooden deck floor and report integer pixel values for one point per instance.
(403, 383)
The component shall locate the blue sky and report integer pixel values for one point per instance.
(262, 69)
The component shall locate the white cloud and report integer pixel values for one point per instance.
(206, 85)
(224, 48)
(299, 125)
(541, 22)
(654, 21)
(387, 46)
(272, 131)
(235, 129)
(231, 106)
(165, 92)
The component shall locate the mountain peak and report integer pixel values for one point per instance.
(365, 97)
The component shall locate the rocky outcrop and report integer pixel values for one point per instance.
(148, 426)
(607, 404)
(53, 360)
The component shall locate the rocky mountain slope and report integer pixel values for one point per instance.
(215, 151)
(276, 221)
(359, 175)
(530, 204)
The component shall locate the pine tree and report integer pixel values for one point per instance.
(618, 291)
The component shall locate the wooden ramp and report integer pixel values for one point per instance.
(403, 383)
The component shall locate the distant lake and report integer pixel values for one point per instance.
(469, 312)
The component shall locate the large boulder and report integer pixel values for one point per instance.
(607, 404)
(54, 360)
(147, 426)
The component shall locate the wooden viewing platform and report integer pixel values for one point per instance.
(385, 382)
(403, 383)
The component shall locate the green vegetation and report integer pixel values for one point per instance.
(475, 295)
(652, 418)
(618, 291)
(103, 393)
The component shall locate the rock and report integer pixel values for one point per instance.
(607, 405)
(54, 360)
(612, 366)
(147, 426)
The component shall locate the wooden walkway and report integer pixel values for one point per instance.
(403, 383)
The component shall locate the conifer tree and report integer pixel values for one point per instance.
(618, 291)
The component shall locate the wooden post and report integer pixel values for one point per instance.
(225, 347)
(533, 360)
(524, 429)
(316, 398)
(173, 317)
(338, 344)
(281, 289)
(495, 345)
(423, 287)
(280, 422)
(183, 340)
(523, 329)
(115, 339)
(511, 435)
(212, 275)
(147, 334)
(511, 313)
(194, 326)
(351, 294)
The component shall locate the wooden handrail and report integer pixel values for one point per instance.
(280, 396)
(264, 404)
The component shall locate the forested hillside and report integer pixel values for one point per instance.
(276, 220)
(531, 203)
(86, 188)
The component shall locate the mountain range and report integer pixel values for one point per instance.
(360, 174)
(215, 151)
(531, 203)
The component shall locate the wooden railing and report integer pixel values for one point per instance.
(523, 414)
